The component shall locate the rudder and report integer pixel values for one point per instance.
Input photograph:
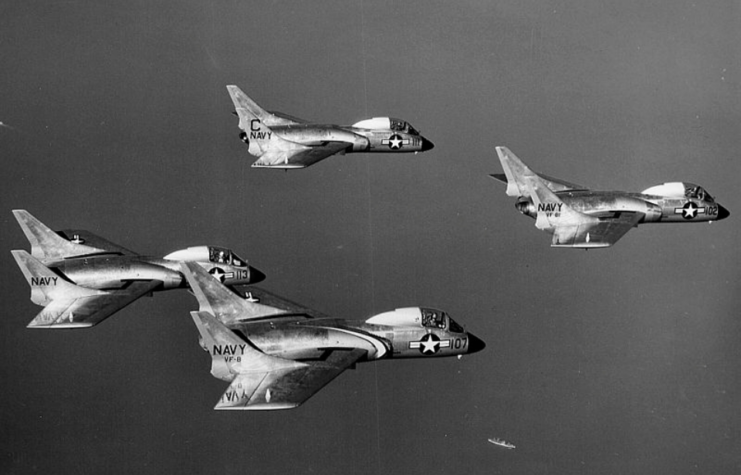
(216, 299)
(45, 284)
(515, 171)
(253, 120)
(47, 244)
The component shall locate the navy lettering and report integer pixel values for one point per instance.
(549, 207)
(44, 280)
(228, 349)
(260, 135)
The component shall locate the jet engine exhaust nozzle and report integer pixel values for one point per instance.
(526, 207)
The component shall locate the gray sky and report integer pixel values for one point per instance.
(616, 361)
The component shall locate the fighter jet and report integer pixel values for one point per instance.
(282, 141)
(81, 279)
(276, 354)
(582, 218)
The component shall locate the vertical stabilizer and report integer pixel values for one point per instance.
(218, 340)
(248, 108)
(232, 355)
(516, 172)
(254, 122)
(551, 211)
(216, 299)
(45, 243)
(45, 284)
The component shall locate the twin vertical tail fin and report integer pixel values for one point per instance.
(517, 173)
(216, 299)
(258, 381)
(46, 285)
(551, 210)
(224, 346)
(248, 109)
(47, 244)
(253, 120)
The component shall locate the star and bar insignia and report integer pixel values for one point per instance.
(689, 210)
(220, 275)
(429, 344)
(395, 142)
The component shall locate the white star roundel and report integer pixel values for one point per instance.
(689, 210)
(429, 344)
(395, 142)
(218, 274)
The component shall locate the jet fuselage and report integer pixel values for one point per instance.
(299, 338)
(115, 271)
(357, 139)
(656, 209)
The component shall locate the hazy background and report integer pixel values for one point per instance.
(623, 360)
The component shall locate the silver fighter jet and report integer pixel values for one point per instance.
(81, 279)
(582, 218)
(276, 354)
(281, 141)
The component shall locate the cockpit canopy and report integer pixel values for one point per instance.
(697, 192)
(217, 255)
(417, 316)
(398, 125)
(221, 255)
(387, 123)
(432, 318)
(680, 190)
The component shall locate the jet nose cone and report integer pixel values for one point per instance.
(427, 145)
(256, 275)
(475, 343)
(723, 213)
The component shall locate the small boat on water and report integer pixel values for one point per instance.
(501, 443)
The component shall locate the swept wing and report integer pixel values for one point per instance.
(268, 298)
(70, 306)
(570, 228)
(219, 301)
(603, 233)
(515, 171)
(90, 239)
(264, 382)
(301, 157)
(246, 109)
(47, 244)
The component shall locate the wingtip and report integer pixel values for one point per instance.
(232, 88)
(60, 326)
(21, 256)
(502, 151)
(273, 406)
(21, 215)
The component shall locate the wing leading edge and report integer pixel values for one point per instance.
(70, 306)
(300, 156)
(604, 233)
(515, 171)
(49, 245)
(261, 381)
(286, 388)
